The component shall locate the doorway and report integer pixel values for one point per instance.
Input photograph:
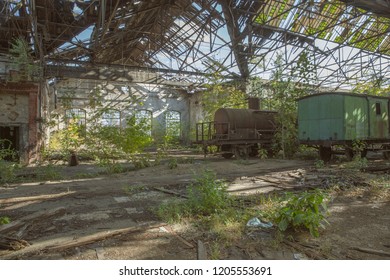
(9, 140)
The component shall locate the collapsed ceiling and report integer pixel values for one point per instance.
(346, 40)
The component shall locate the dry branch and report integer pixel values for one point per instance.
(9, 243)
(310, 253)
(376, 169)
(101, 236)
(32, 198)
(170, 192)
(371, 251)
(29, 218)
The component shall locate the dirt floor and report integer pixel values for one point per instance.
(113, 216)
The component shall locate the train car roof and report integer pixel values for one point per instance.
(344, 93)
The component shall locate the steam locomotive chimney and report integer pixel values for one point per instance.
(253, 103)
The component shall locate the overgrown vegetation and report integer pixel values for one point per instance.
(4, 220)
(303, 210)
(280, 94)
(21, 56)
(224, 217)
(8, 166)
(206, 196)
(221, 94)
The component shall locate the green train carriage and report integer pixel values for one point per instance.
(329, 119)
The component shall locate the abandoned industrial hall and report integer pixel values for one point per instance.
(127, 126)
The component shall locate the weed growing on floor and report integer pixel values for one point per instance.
(319, 164)
(49, 172)
(208, 194)
(357, 163)
(4, 220)
(134, 189)
(303, 210)
(172, 163)
(7, 171)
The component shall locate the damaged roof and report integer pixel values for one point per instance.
(238, 38)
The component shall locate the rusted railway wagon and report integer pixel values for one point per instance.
(334, 120)
(237, 132)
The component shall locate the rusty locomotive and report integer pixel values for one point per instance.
(238, 132)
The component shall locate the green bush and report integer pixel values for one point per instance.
(208, 194)
(7, 171)
(307, 209)
(172, 164)
(4, 220)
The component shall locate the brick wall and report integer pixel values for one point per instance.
(19, 109)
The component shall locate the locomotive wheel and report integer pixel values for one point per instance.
(227, 155)
(325, 153)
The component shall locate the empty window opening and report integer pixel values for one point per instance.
(143, 118)
(75, 116)
(173, 123)
(111, 118)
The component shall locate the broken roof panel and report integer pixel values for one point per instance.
(202, 34)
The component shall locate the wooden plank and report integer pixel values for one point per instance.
(32, 198)
(371, 251)
(170, 192)
(84, 240)
(29, 219)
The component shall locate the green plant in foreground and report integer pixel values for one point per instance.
(4, 220)
(208, 194)
(7, 171)
(307, 209)
(319, 164)
(172, 164)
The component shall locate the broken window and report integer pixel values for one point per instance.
(144, 119)
(111, 118)
(173, 123)
(75, 116)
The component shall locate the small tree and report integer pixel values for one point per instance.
(22, 58)
(285, 91)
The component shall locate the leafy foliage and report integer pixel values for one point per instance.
(206, 197)
(4, 220)
(221, 94)
(22, 58)
(378, 86)
(7, 168)
(307, 209)
(281, 93)
(208, 194)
